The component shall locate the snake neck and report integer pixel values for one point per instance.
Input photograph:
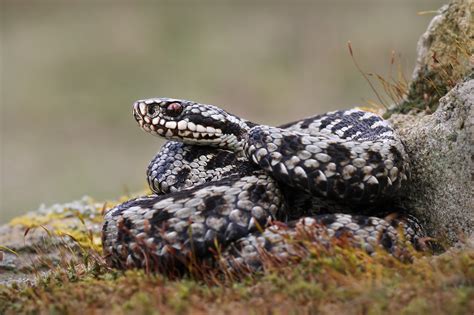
(235, 133)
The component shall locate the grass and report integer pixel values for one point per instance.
(388, 90)
(447, 62)
(395, 94)
(336, 281)
(324, 279)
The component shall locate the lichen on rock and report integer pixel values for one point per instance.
(440, 145)
(436, 122)
(32, 241)
(444, 57)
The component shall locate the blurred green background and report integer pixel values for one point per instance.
(71, 70)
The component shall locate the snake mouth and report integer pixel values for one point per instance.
(168, 128)
(179, 130)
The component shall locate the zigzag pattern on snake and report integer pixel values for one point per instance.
(221, 181)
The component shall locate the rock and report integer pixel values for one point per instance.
(36, 242)
(440, 147)
(440, 144)
(444, 57)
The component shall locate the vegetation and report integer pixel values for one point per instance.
(447, 60)
(326, 279)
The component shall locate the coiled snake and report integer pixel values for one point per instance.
(220, 181)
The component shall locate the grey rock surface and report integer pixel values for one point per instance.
(440, 147)
(438, 124)
(37, 241)
(446, 42)
(445, 56)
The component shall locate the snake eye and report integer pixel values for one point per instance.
(174, 109)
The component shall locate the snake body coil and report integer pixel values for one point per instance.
(220, 181)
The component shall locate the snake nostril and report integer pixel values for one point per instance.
(151, 110)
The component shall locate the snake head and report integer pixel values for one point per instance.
(190, 122)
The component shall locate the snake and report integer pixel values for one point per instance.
(226, 190)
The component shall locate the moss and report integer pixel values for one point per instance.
(79, 221)
(444, 58)
(425, 97)
(335, 280)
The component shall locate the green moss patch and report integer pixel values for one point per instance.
(446, 61)
(328, 280)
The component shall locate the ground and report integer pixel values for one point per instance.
(71, 277)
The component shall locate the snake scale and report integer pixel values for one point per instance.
(221, 182)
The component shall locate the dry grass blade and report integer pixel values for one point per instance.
(366, 76)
